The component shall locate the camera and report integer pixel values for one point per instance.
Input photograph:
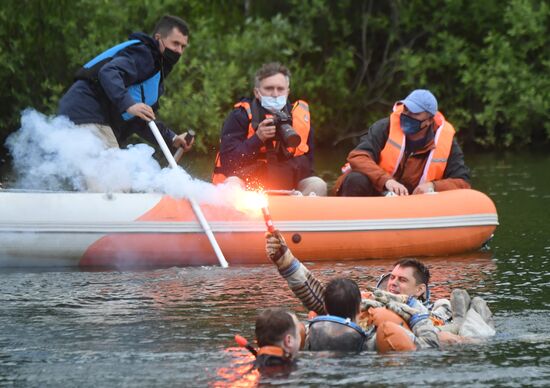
(285, 132)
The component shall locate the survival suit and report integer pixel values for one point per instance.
(310, 291)
(439, 316)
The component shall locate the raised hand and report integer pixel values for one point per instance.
(277, 251)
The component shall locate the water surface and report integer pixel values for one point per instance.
(175, 326)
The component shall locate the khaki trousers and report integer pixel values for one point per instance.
(107, 137)
(104, 133)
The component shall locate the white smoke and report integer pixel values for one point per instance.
(52, 153)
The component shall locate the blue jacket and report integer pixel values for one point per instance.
(105, 100)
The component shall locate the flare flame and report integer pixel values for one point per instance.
(251, 202)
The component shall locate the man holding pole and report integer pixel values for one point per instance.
(116, 93)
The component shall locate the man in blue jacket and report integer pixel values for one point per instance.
(117, 92)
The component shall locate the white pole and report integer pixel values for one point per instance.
(196, 208)
(178, 154)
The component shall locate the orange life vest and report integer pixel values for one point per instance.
(392, 332)
(300, 122)
(272, 351)
(392, 154)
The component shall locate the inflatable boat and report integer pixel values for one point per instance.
(45, 229)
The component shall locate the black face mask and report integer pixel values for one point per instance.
(169, 59)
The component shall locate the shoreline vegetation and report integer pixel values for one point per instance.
(486, 62)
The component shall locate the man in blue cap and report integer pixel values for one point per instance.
(413, 151)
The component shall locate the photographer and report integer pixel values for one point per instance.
(266, 142)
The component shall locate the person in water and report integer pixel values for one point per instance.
(338, 329)
(414, 151)
(411, 277)
(278, 337)
(117, 92)
(346, 326)
(407, 283)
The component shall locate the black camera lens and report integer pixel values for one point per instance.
(285, 132)
(289, 135)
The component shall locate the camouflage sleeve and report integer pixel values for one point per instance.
(305, 286)
(424, 331)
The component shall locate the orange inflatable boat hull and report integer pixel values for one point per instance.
(157, 231)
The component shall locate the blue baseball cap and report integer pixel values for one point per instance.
(421, 100)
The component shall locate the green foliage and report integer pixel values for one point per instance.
(487, 62)
(491, 67)
(512, 76)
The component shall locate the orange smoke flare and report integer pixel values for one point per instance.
(268, 220)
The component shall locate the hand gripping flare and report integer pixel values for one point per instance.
(277, 250)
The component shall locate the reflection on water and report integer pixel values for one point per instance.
(176, 326)
(240, 372)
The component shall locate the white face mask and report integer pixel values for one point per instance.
(273, 104)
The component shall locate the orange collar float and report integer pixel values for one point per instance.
(275, 351)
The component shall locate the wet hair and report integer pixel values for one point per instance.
(343, 298)
(421, 273)
(167, 23)
(270, 69)
(272, 325)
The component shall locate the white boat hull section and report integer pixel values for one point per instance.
(65, 223)
(72, 208)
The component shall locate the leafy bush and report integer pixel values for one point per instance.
(487, 62)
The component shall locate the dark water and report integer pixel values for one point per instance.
(175, 326)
